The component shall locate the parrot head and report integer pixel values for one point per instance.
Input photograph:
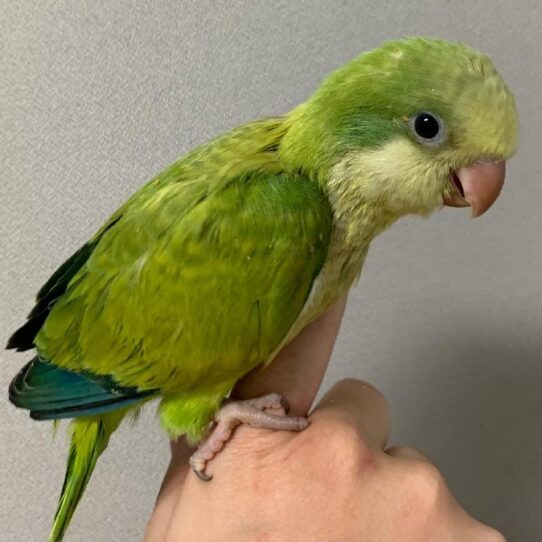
(413, 125)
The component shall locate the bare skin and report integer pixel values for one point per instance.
(336, 481)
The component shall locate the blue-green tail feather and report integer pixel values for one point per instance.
(51, 392)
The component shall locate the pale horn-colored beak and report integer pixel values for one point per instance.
(478, 186)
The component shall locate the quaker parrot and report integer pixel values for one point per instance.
(219, 261)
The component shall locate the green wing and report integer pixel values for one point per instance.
(192, 284)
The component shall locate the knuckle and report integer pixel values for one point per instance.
(406, 452)
(346, 449)
(492, 535)
(374, 395)
(423, 483)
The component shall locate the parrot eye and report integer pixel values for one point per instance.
(428, 128)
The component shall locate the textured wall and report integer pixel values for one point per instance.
(447, 318)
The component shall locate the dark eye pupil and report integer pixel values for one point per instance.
(426, 126)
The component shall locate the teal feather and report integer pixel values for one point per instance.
(51, 393)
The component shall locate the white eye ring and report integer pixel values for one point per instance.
(428, 128)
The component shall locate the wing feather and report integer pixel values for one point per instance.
(196, 279)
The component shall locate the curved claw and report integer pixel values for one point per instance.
(285, 405)
(202, 475)
(198, 466)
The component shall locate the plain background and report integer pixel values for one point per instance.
(447, 317)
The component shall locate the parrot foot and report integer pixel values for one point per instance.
(251, 412)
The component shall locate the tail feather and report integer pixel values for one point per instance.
(89, 439)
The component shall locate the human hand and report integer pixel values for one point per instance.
(334, 482)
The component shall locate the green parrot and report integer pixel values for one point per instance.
(218, 262)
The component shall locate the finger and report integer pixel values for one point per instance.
(297, 371)
(408, 453)
(359, 404)
(177, 469)
(170, 490)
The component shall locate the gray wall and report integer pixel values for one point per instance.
(447, 317)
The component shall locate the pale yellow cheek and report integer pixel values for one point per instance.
(399, 176)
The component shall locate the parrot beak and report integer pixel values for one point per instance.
(477, 186)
